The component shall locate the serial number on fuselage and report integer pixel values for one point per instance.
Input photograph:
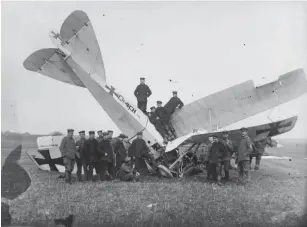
(122, 100)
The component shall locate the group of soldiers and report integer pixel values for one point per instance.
(220, 151)
(159, 116)
(110, 157)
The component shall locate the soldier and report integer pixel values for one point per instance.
(228, 146)
(142, 92)
(173, 104)
(100, 135)
(206, 159)
(126, 172)
(215, 158)
(137, 151)
(156, 121)
(164, 118)
(107, 158)
(120, 151)
(80, 159)
(68, 150)
(244, 150)
(259, 150)
(91, 156)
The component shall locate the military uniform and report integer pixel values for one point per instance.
(165, 123)
(137, 151)
(173, 104)
(244, 150)
(91, 157)
(227, 156)
(100, 137)
(80, 160)
(142, 92)
(126, 172)
(215, 158)
(206, 161)
(68, 150)
(259, 150)
(120, 151)
(156, 121)
(106, 159)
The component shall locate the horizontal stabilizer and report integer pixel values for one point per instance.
(50, 62)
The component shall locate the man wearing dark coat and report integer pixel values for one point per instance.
(215, 158)
(80, 160)
(173, 104)
(126, 172)
(137, 151)
(156, 121)
(91, 156)
(100, 135)
(68, 150)
(106, 158)
(142, 92)
(165, 120)
(120, 151)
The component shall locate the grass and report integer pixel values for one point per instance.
(274, 198)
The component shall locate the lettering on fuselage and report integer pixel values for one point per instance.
(122, 100)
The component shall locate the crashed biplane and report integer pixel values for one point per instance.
(77, 60)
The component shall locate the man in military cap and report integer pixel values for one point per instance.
(106, 158)
(244, 150)
(165, 121)
(173, 104)
(120, 151)
(126, 172)
(215, 157)
(138, 151)
(227, 154)
(68, 150)
(91, 156)
(100, 135)
(156, 121)
(79, 155)
(142, 92)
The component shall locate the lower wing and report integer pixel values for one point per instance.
(256, 133)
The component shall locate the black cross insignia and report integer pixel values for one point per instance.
(111, 90)
(56, 35)
(274, 128)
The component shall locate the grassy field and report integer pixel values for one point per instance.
(276, 197)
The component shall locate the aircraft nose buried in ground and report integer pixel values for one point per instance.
(77, 60)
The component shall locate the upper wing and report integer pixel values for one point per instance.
(238, 102)
(256, 133)
(50, 62)
(79, 38)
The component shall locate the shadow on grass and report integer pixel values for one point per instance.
(14, 179)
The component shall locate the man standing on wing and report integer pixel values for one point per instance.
(142, 92)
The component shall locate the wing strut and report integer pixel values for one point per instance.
(184, 153)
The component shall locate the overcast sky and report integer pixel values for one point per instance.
(198, 45)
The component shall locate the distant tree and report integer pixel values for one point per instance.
(56, 133)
